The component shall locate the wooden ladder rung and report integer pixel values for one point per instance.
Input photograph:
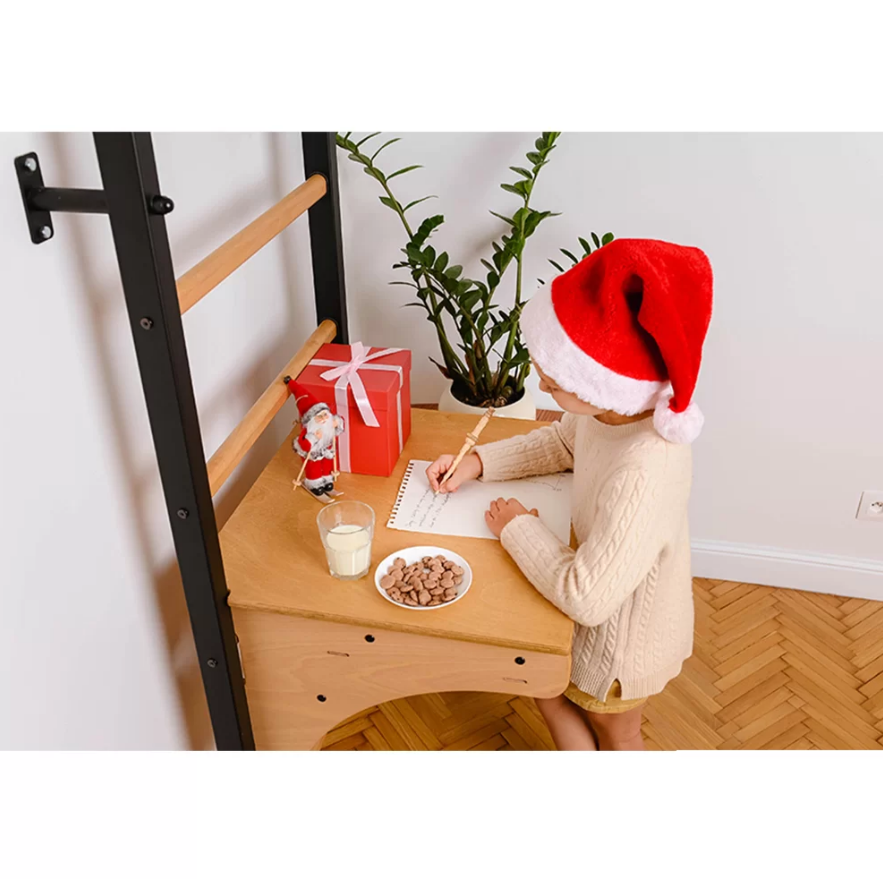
(197, 282)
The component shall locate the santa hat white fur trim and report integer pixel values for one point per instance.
(576, 371)
(681, 428)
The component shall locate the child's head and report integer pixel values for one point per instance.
(567, 401)
(623, 330)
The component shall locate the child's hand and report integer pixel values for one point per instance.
(470, 467)
(502, 512)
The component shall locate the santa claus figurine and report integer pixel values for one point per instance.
(316, 443)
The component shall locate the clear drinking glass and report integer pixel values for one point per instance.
(346, 529)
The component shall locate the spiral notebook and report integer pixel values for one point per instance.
(461, 514)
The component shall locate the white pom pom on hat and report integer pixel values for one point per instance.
(623, 329)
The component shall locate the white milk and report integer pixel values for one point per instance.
(348, 547)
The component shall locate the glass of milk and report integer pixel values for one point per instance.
(346, 529)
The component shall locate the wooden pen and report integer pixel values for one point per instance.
(471, 439)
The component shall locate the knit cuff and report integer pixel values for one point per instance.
(528, 541)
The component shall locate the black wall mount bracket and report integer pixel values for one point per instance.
(40, 201)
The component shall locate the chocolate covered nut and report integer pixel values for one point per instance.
(387, 582)
(424, 598)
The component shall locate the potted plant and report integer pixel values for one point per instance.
(487, 362)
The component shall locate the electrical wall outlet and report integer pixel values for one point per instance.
(870, 507)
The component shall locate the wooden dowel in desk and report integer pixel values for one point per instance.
(238, 443)
(197, 282)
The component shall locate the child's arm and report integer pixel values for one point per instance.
(543, 451)
(629, 531)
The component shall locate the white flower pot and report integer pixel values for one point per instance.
(523, 409)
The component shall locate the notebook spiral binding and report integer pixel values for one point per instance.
(403, 487)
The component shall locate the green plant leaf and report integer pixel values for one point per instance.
(587, 249)
(382, 146)
(402, 172)
(519, 171)
(428, 256)
(417, 202)
(454, 271)
(509, 221)
(541, 281)
(414, 304)
(558, 267)
(519, 359)
(356, 158)
(596, 240)
(390, 203)
(441, 262)
(511, 188)
(493, 280)
(367, 138)
(487, 265)
(426, 228)
(402, 282)
(471, 300)
(569, 254)
(535, 158)
(607, 238)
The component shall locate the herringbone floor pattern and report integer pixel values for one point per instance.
(771, 668)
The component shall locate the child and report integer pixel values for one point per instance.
(617, 342)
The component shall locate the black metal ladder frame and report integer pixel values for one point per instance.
(132, 199)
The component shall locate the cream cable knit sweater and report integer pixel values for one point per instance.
(628, 584)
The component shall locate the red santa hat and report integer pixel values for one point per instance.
(623, 330)
(307, 404)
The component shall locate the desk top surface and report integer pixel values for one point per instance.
(274, 558)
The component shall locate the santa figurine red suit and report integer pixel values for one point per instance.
(316, 442)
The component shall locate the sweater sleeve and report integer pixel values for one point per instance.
(591, 583)
(541, 452)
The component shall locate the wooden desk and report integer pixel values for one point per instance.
(316, 650)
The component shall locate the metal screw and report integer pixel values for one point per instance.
(161, 205)
(182, 514)
(213, 663)
(321, 698)
(146, 323)
(45, 232)
(30, 164)
(369, 639)
(519, 660)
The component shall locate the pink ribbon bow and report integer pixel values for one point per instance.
(348, 375)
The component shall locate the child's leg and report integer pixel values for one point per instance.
(568, 727)
(618, 732)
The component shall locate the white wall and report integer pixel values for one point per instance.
(791, 382)
(95, 644)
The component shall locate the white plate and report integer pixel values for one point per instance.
(415, 553)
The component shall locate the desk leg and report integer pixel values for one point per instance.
(304, 676)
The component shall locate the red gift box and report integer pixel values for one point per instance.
(365, 386)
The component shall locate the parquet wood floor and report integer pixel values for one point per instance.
(771, 669)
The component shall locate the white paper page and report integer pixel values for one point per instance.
(461, 513)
